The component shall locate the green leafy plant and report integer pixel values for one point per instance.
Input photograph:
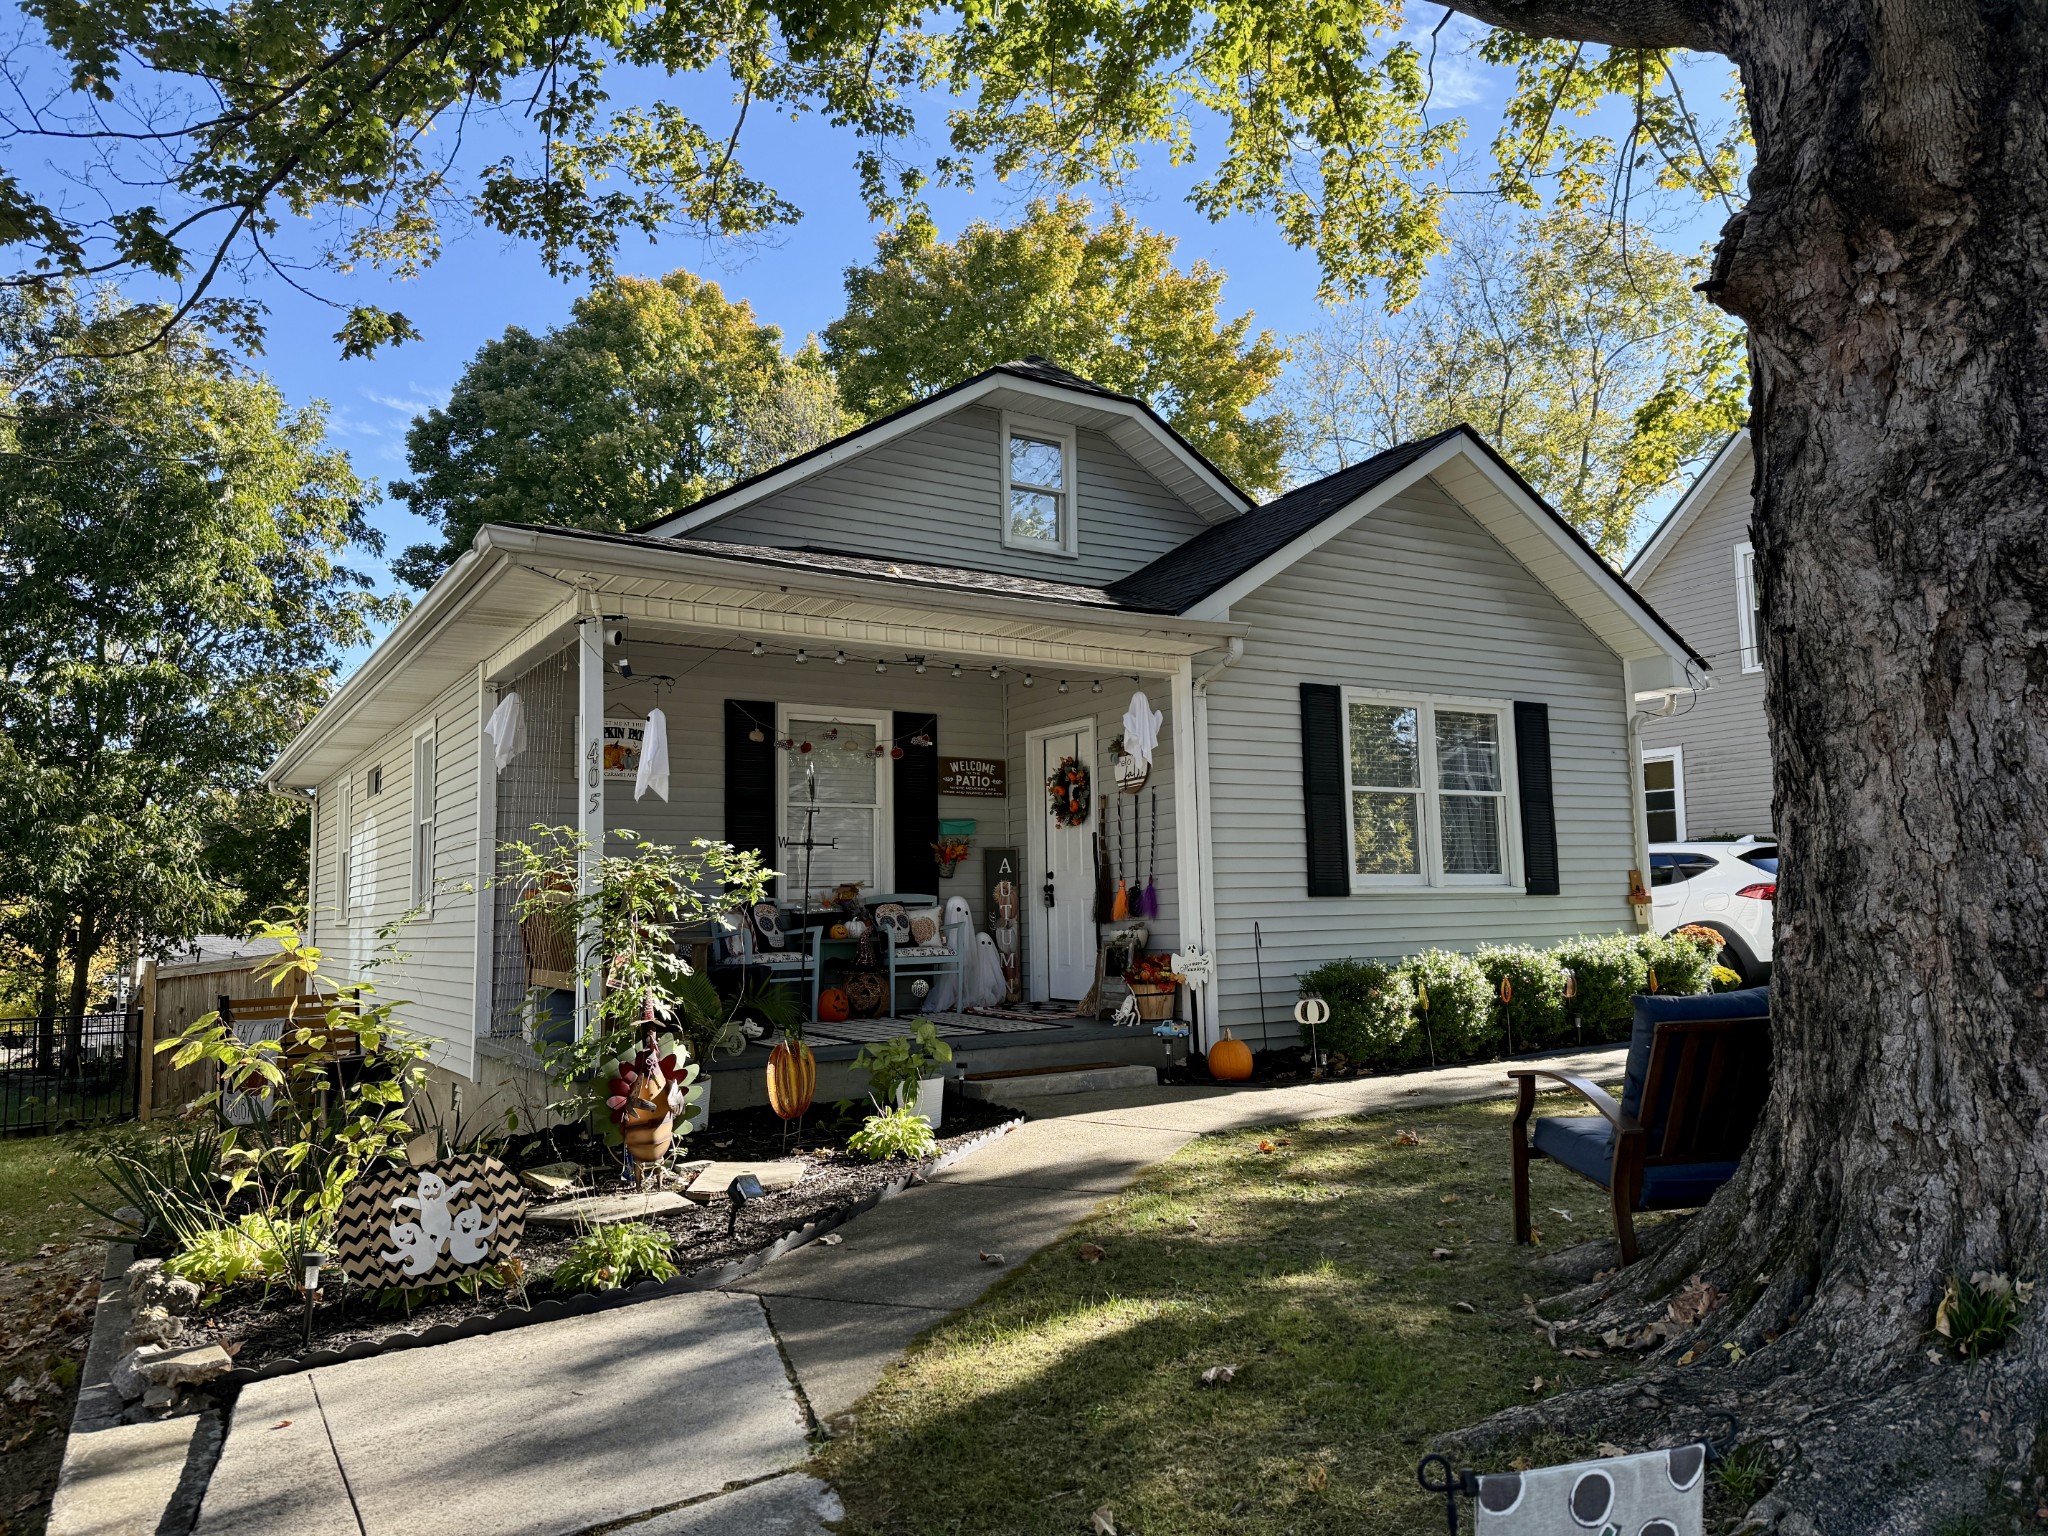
(1455, 1004)
(304, 1127)
(1977, 1315)
(891, 1133)
(1531, 1002)
(616, 1255)
(1372, 1012)
(260, 1246)
(620, 931)
(895, 1066)
(1608, 970)
(1682, 961)
(1744, 1474)
(173, 1180)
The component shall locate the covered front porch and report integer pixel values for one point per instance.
(852, 719)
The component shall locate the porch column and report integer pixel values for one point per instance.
(590, 789)
(1190, 826)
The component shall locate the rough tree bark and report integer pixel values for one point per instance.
(1892, 266)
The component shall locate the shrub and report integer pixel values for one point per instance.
(1456, 1005)
(616, 1255)
(1372, 1011)
(1682, 960)
(258, 1247)
(1535, 1012)
(893, 1133)
(1608, 970)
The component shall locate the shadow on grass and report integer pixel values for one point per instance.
(1311, 1268)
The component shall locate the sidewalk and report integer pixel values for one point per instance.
(687, 1416)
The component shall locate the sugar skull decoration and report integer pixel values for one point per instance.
(1657, 1493)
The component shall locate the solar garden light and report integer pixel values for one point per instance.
(314, 1259)
(741, 1190)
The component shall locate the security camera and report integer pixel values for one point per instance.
(615, 636)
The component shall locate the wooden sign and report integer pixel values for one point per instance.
(983, 778)
(405, 1227)
(1003, 871)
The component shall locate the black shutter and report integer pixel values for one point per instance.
(916, 805)
(750, 779)
(1539, 816)
(1322, 790)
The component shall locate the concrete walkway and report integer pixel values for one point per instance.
(688, 1416)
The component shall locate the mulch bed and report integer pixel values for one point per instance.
(258, 1329)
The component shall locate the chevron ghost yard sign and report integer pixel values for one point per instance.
(406, 1227)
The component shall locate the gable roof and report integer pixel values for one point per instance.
(1203, 576)
(1680, 517)
(1031, 383)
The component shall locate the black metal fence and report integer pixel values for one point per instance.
(68, 1070)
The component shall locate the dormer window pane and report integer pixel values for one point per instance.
(1037, 463)
(1034, 517)
(1038, 488)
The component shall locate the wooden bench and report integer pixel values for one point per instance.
(1699, 1070)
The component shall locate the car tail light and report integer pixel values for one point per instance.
(1768, 891)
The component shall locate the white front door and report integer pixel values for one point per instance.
(1060, 907)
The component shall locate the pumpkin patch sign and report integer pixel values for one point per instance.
(400, 1228)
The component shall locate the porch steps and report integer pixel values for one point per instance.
(1042, 1082)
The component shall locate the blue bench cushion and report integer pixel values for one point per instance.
(1653, 1009)
(1585, 1144)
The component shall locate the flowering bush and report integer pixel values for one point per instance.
(1153, 968)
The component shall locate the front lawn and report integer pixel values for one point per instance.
(1312, 1259)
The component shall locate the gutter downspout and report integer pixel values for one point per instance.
(1639, 805)
(1205, 855)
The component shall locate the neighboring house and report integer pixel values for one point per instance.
(1397, 702)
(1707, 767)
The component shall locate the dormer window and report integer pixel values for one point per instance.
(1038, 486)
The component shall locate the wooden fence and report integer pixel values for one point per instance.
(173, 996)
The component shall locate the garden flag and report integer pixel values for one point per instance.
(1658, 1493)
(507, 730)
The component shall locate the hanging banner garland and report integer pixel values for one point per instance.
(1070, 793)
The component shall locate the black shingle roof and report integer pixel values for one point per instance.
(1184, 575)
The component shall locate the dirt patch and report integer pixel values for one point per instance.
(46, 1309)
(258, 1327)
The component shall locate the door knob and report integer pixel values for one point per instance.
(1049, 899)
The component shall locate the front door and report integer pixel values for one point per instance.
(1063, 864)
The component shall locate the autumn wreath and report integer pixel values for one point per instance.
(1068, 787)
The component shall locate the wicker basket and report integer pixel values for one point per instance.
(1155, 999)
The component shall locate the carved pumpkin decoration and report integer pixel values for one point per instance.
(1230, 1061)
(792, 1078)
(834, 1006)
(865, 991)
(836, 931)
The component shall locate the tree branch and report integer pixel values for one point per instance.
(1693, 24)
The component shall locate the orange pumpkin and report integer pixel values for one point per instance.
(834, 1006)
(1230, 1061)
(792, 1078)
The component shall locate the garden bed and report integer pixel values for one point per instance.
(265, 1332)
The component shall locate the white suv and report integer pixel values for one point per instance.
(1727, 887)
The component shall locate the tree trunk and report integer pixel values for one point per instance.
(1892, 266)
(85, 946)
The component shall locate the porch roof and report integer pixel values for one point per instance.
(513, 596)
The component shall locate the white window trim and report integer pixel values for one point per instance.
(1068, 544)
(885, 788)
(1676, 757)
(424, 822)
(1745, 608)
(344, 852)
(1432, 878)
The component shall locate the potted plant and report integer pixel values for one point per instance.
(1153, 982)
(903, 1071)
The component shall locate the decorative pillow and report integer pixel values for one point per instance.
(926, 924)
(894, 920)
(768, 920)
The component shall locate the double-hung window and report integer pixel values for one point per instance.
(1428, 792)
(1038, 486)
(835, 796)
(423, 821)
(1747, 609)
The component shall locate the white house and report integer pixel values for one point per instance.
(990, 574)
(1707, 766)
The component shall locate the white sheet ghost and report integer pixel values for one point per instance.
(947, 992)
(436, 1221)
(1141, 729)
(412, 1252)
(653, 757)
(507, 730)
(986, 986)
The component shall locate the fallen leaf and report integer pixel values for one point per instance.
(1441, 1253)
(1103, 1522)
(1266, 1146)
(282, 1424)
(1464, 1306)
(1193, 1222)
(1535, 1234)
(1536, 1384)
(1557, 1210)
(1448, 1200)
(1093, 1253)
(1407, 1139)
(1217, 1375)
(1693, 1300)
(1688, 1357)
(831, 1239)
(1318, 1478)
(991, 1258)
(1521, 1464)
(1607, 1448)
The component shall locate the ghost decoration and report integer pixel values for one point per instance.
(1657, 1493)
(959, 931)
(986, 985)
(403, 1226)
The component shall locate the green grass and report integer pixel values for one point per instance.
(41, 1178)
(1075, 1385)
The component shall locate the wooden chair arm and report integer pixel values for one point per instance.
(1585, 1088)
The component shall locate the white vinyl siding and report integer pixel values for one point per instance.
(1415, 601)
(1727, 778)
(935, 495)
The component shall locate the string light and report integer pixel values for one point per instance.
(1097, 687)
(956, 669)
(801, 658)
(839, 660)
(1027, 680)
(920, 666)
(880, 665)
(760, 649)
(995, 672)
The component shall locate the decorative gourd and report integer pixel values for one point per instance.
(836, 931)
(1230, 1061)
(792, 1078)
(834, 1005)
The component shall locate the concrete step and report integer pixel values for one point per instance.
(1041, 1082)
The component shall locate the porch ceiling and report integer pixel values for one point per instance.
(513, 598)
